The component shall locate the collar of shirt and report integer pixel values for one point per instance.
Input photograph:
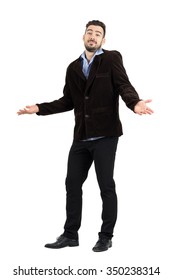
(86, 66)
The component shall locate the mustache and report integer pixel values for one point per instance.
(92, 41)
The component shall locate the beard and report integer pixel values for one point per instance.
(92, 49)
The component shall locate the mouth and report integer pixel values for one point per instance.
(92, 42)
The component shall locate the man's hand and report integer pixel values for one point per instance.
(29, 110)
(142, 108)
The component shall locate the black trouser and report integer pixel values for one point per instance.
(81, 156)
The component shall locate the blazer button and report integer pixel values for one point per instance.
(86, 97)
(87, 116)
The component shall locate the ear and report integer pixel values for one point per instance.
(103, 41)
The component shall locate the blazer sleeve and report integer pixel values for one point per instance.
(122, 85)
(61, 105)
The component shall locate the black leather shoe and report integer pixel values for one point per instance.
(62, 242)
(102, 244)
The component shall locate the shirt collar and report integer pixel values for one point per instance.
(98, 52)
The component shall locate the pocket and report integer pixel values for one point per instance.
(103, 75)
(106, 109)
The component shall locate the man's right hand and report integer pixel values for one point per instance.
(29, 110)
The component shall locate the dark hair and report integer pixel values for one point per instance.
(97, 23)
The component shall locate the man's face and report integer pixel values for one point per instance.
(93, 38)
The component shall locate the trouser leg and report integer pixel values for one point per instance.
(79, 162)
(104, 158)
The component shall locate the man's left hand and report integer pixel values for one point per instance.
(141, 107)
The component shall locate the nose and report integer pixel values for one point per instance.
(92, 37)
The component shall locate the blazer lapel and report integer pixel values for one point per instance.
(93, 71)
(78, 69)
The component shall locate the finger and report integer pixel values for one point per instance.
(22, 111)
(148, 100)
(19, 112)
(139, 113)
(149, 110)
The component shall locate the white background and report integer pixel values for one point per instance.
(38, 41)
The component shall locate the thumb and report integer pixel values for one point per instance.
(148, 100)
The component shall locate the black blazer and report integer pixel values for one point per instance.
(95, 100)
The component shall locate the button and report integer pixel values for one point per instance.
(86, 97)
(87, 116)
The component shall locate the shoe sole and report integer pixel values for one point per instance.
(73, 245)
(68, 245)
(97, 251)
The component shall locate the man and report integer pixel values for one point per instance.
(93, 85)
